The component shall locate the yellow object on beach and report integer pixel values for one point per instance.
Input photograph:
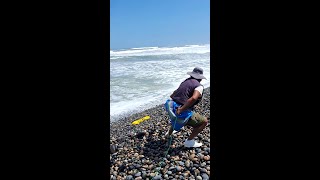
(138, 121)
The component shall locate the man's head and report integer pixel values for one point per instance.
(197, 73)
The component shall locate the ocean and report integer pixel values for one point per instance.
(142, 78)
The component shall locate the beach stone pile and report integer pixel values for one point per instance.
(143, 152)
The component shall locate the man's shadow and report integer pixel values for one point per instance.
(158, 150)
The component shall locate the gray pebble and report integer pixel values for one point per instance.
(144, 175)
(204, 176)
(199, 178)
(203, 170)
(138, 174)
(178, 168)
(129, 177)
(158, 169)
(157, 177)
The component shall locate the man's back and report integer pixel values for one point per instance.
(185, 90)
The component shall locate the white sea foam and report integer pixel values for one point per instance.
(146, 48)
(162, 51)
(142, 78)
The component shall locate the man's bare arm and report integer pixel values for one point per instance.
(190, 101)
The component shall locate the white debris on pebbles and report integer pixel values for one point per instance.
(139, 151)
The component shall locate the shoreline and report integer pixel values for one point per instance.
(138, 150)
(145, 112)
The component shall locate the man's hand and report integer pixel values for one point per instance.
(178, 111)
(190, 102)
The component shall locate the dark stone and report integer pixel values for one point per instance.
(122, 168)
(140, 135)
(162, 164)
(144, 175)
(113, 148)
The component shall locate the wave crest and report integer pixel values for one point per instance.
(150, 51)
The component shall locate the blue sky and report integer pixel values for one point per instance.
(142, 23)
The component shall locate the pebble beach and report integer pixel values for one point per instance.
(143, 152)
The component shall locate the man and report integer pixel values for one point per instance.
(188, 94)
